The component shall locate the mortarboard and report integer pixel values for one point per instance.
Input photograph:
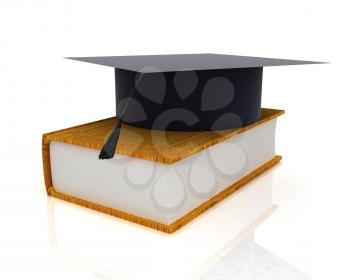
(186, 92)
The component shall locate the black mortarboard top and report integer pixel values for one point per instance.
(188, 92)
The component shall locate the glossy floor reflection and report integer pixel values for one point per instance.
(249, 260)
(217, 245)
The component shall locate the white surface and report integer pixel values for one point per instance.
(42, 92)
(156, 191)
(248, 260)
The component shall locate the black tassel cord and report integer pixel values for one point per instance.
(108, 149)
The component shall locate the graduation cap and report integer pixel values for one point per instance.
(186, 92)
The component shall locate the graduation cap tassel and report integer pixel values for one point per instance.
(108, 149)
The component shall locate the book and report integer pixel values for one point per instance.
(159, 179)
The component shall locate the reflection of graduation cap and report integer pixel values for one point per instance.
(189, 92)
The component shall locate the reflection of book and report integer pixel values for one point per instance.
(249, 260)
(118, 249)
(161, 180)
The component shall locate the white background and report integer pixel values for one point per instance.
(41, 92)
